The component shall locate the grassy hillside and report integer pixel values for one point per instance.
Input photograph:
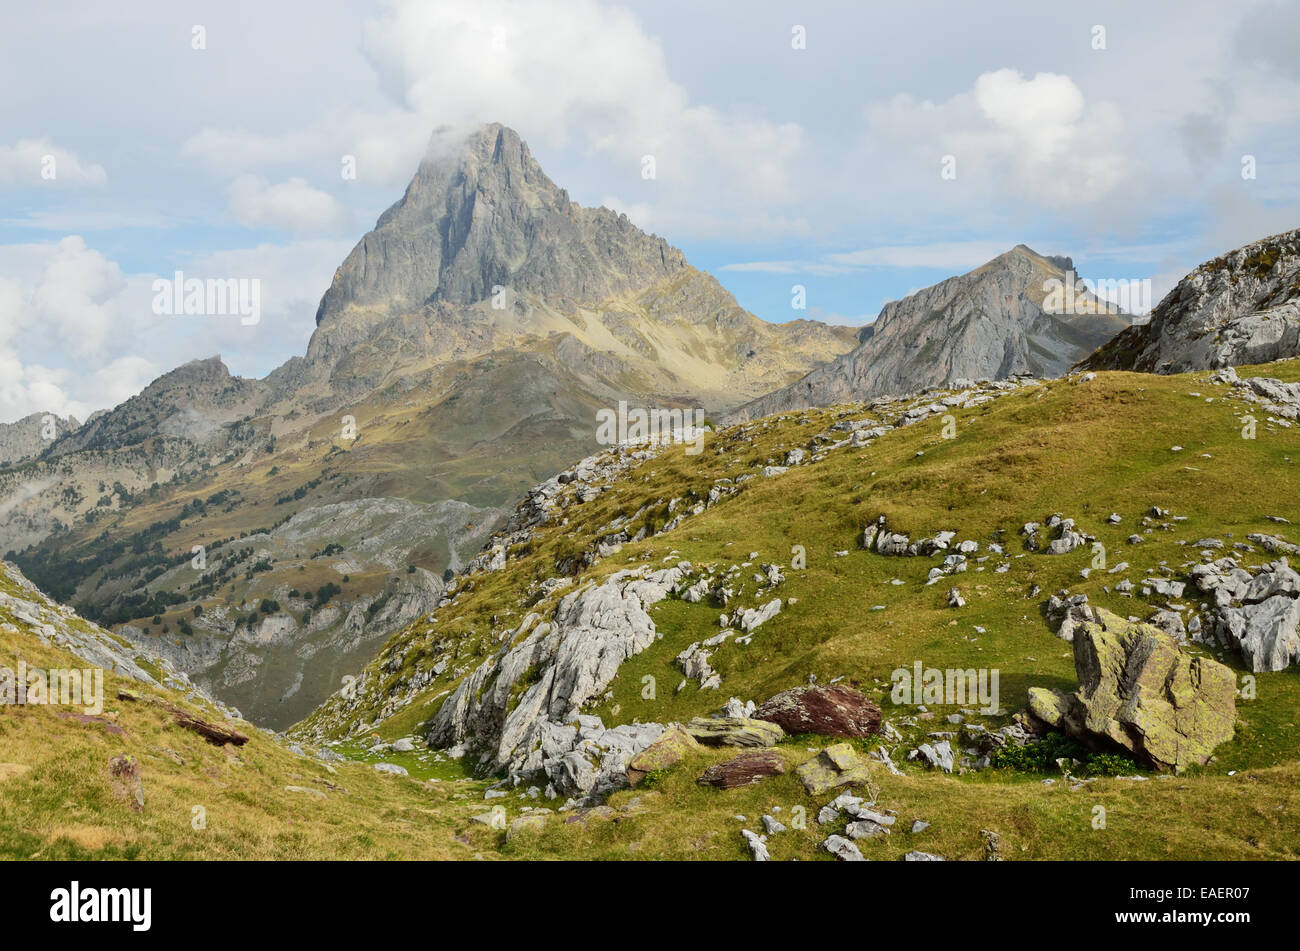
(1080, 447)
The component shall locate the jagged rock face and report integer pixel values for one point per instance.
(32, 435)
(1240, 308)
(989, 324)
(563, 663)
(1139, 691)
(485, 254)
(488, 215)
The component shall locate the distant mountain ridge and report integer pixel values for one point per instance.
(987, 324)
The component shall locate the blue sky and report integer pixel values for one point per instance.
(1112, 132)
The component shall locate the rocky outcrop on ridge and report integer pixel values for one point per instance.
(30, 436)
(58, 625)
(1242, 307)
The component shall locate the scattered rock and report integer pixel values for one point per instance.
(842, 849)
(835, 766)
(743, 770)
(673, 745)
(938, 756)
(735, 731)
(1257, 615)
(836, 710)
(757, 845)
(126, 781)
(992, 845)
(533, 822)
(307, 790)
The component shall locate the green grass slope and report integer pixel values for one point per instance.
(1082, 447)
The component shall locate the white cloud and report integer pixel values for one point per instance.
(65, 295)
(78, 334)
(573, 75)
(289, 206)
(1027, 141)
(955, 256)
(574, 71)
(40, 161)
(85, 219)
(818, 268)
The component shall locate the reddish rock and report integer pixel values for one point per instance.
(826, 711)
(744, 769)
(125, 779)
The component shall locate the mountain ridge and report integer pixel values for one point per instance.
(989, 323)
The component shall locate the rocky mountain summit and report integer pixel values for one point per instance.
(990, 324)
(485, 255)
(1242, 307)
(481, 216)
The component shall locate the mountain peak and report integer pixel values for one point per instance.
(492, 156)
(478, 218)
(1023, 251)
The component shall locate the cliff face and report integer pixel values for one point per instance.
(989, 324)
(1243, 307)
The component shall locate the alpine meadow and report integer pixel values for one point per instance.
(764, 433)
